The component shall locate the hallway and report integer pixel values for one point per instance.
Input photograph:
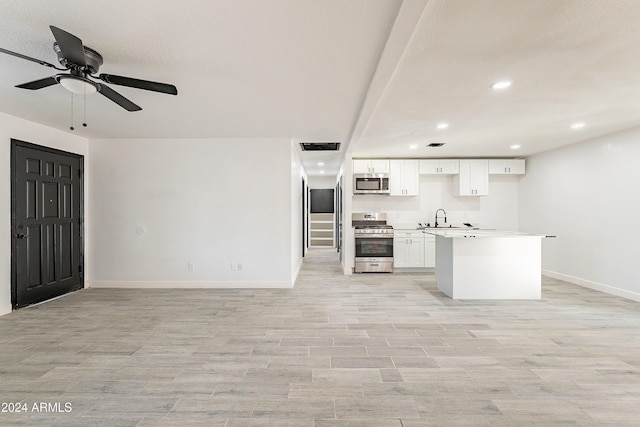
(363, 350)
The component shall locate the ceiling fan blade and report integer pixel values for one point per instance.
(28, 58)
(39, 84)
(70, 46)
(118, 99)
(139, 84)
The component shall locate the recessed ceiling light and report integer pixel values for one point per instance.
(515, 147)
(577, 125)
(321, 172)
(320, 163)
(501, 85)
(442, 125)
(413, 146)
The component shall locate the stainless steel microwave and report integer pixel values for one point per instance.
(371, 183)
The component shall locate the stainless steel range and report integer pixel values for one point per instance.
(374, 243)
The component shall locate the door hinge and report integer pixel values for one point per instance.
(79, 269)
(79, 173)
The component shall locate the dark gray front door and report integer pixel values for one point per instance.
(46, 223)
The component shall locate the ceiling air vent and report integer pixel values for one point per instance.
(320, 146)
(436, 144)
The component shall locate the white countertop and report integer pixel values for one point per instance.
(471, 233)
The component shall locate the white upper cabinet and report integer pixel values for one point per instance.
(439, 166)
(506, 166)
(404, 178)
(371, 166)
(473, 179)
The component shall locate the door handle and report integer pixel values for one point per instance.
(22, 236)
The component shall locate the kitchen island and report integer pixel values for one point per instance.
(483, 264)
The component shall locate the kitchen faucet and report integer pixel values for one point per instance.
(445, 216)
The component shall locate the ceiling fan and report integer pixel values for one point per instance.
(83, 64)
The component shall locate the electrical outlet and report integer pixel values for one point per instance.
(191, 266)
(239, 266)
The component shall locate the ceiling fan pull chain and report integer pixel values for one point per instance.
(84, 101)
(71, 127)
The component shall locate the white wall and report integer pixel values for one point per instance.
(210, 202)
(588, 195)
(13, 127)
(297, 172)
(322, 182)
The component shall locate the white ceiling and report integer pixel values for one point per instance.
(374, 75)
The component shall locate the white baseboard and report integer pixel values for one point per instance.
(5, 309)
(593, 285)
(188, 285)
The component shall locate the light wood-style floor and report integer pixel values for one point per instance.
(366, 350)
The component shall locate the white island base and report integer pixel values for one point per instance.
(501, 266)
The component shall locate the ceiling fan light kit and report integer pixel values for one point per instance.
(76, 84)
(83, 63)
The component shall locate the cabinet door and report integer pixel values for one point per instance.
(516, 166)
(411, 178)
(408, 250)
(404, 178)
(379, 166)
(506, 166)
(396, 171)
(497, 166)
(400, 252)
(473, 179)
(416, 252)
(449, 166)
(361, 166)
(439, 166)
(429, 251)
(429, 167)
(480, 177)
(370, 166)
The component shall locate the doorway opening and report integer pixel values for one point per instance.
(322, 218)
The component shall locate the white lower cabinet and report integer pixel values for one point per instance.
(429, 251)
(408, 249)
